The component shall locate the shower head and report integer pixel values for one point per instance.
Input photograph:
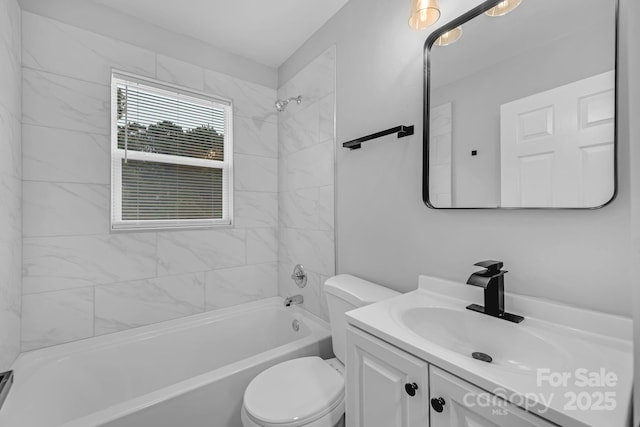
(281, 104)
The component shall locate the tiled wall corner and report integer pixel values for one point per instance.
(306, 144)
(10, 182)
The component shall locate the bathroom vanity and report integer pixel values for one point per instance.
(423, 359)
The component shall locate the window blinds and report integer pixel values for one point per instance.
(171, 156)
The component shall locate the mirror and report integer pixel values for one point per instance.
(520, 109)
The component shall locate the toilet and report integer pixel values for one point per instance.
(309, 391)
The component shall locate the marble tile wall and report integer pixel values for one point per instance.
(10, 182)
(306, 144)
(78, 279)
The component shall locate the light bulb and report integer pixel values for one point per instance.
(503, 7)
(423, 13)
(449, 37)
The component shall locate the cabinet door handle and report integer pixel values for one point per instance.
(411, 388)
(437, 404)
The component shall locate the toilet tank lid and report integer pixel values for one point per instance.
(357, 291)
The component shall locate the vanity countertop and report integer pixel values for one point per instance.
(579, 369)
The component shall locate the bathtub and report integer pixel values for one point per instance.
(181, 373)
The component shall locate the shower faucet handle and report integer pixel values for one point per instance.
(299, 276)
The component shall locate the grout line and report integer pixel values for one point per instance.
(52, 181)
(58, 290)
(235, 153)
(135, 233)
(168, 276)
(314, 145)
(108, 134)
(66, 76)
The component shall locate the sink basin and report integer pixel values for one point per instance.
(510, 345)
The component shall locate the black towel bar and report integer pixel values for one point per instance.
(400, 130)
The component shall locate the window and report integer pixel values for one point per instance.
(171, 156)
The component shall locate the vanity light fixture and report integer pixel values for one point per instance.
(449, 37)
(423, 14)
(503, 8)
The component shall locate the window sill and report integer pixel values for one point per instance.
(137, 228)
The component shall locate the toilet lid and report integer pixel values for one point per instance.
(294, 391)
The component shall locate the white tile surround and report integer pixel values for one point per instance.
(78, 279)
(306, 181)
(10, 182)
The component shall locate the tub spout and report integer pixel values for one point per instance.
(296, 299)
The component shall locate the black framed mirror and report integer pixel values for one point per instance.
(520, 107)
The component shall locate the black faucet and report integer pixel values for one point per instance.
(492, 281)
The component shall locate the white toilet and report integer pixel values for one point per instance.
(309, 391)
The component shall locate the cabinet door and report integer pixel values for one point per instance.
(465, 405)
(376, 380)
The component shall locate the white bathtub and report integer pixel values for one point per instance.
(182, 373)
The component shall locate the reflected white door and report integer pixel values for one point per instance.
(440, 178)
(557, 146)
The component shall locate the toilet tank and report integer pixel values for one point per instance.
(344, 293)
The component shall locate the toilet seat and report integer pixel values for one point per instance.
(295, 393)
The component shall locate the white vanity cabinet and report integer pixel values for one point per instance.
(457, 403)
(386, 387)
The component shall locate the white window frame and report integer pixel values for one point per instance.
(118, 154)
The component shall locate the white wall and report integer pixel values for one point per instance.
(80, 280)
(384, 231)
(10, 182)
(306, 181)
(631, 98)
